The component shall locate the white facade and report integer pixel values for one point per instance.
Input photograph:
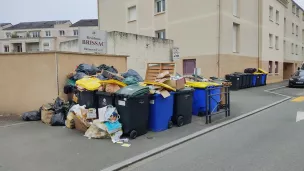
(34, 40)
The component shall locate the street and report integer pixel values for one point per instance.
(271, 140)
(268, 140)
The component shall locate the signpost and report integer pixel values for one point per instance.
(92, 41)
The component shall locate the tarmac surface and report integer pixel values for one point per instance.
(36, 146)
(271, 140)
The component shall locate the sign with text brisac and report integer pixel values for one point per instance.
(92, 41)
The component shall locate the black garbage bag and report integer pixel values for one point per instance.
(108, 68)
(31, 116)
(87, 69)
(132, 73)
(68, 89)
(58, 105)
(79, 75)
(58, 119)
(250, 70)
(101, 77)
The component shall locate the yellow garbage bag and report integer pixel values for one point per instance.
(260, 70)
(201, 84)
(121, 84)
(91, 84)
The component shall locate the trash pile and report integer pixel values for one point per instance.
(251, 77)
(104, 104)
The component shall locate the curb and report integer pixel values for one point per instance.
(180, 141)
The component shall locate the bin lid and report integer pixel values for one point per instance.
(104, 93)
(133, 91)
(185, 90)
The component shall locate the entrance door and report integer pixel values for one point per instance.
(189, 65)
(288, 70)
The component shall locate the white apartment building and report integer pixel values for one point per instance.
(218, 36)
(40, 36)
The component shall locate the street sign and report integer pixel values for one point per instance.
(92, 41)
(175, 53)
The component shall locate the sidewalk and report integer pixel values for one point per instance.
(35, 146)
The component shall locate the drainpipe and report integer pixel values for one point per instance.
(219, 38)
(259, 32)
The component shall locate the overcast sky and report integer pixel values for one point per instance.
(15, 11)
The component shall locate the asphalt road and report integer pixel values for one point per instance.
(36, 146)
(271, 140)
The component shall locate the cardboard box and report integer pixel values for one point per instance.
(177, 84)
(80, 125)
(46, 116)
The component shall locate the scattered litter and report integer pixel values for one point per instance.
(126, 145)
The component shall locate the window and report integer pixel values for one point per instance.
(277, 42)
(235, 11)
(285, 26)
(62, 32)
(296, 49)
(297, 30)
(6, 48)
(160, 6)
(270, 67)
(292, 28)
(303, 36)
(46, 44)
(302, 51)
(303, 16)
(47, 33)
(277, 17)
(75, 32)
(284, 47)
(276, 69)
(270, 41)
(298, 11)
(293, 8)
(132, 13)
(161, 34)
(292, 48)
(270, 13)
(235, 37)
(9, 35)
(36, 34)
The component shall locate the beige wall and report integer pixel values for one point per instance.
(31, 78)
(193, 25)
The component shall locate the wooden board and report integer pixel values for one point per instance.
(153, 69)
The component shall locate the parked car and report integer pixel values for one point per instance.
(297, 79)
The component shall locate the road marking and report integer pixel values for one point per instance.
(298, 99)
(300, 116)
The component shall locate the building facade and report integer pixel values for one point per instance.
(218, 36)
(40, 36)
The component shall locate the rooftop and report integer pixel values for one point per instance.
(4, 24)
(36, 25)
(85, 23)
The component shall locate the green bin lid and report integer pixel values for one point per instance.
(133, 91)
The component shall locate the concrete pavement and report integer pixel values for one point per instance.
(35, 146)
(271, 140)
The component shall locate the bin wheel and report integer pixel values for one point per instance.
(180, 121)
(133, 134)
(170, 124)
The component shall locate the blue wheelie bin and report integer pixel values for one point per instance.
(161, 112)
(254, 80)
(214, 99)
(199, 102)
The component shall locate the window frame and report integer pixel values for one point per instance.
(48, 33)
(162, 7)
(271, 13)
(292, 48)
(270, 40)
(6, 48)
(129, 13)
(75, 31)
(270, 67)
(277, 17)
(276, 67)
(236, 38)
(277, 39)
(296, 49)
(61, 32)
(159, 35)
